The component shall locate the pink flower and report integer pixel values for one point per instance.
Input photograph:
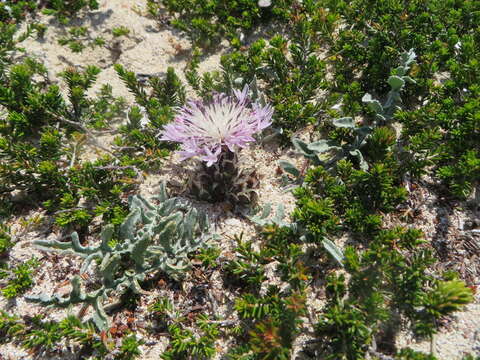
(211, 157)
(203, 129)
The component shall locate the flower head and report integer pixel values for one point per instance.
(227, 121)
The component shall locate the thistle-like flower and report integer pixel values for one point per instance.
(228, 122)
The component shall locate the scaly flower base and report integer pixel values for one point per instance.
(225, 181)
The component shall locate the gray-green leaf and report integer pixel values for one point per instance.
(333, 250)
(345, 122)
(289, 168)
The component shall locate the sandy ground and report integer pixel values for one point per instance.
(150, 49)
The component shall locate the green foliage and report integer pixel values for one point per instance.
(139, 137)
(129, 349)
(5, 240)
(167, 92)
(10, 326)
(152, 238)
(78, 83)
(120, 31)
(384, 113)
(444, 133)
(205, 23)
(209, 256)
(9, 41)
(27, 101)
(185, 345)
(385, 282)
(248, 267)
(351, 177)
(371, 41)
(445, 298)
(409, 354)
(347, 140)
(292, 75)
(354, 196)
(470, 357)
(16, 280)
(76, 38)
(317, 216)
(463, 176)
(39, 335)
(36, 142)
(64, 9)
(274, 322)
(270, 322)
(14, 11)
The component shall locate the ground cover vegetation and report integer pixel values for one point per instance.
(375, 103)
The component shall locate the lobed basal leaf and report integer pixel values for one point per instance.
(152, 238)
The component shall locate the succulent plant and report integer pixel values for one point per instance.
(327, 152)
(152, 238)
(384, 113)
(213, 132)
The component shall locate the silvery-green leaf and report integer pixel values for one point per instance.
(362, 135)
(333, 250)
(279, 214)
(380, 118)
(261, 219)
(106, 235)
(99, 316)
(320, 146)
(254, 88)
(266, 211)
(128, 227)
(264, 3)
(396, 82)
(373, 104)
(409, 79)
(363, 164)
(302, 147)
(408, 57)
(270, 137)
(88, 260)
(162, 193)
(337, 107)
(400, 71)
(345, 122)
(289, 168)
